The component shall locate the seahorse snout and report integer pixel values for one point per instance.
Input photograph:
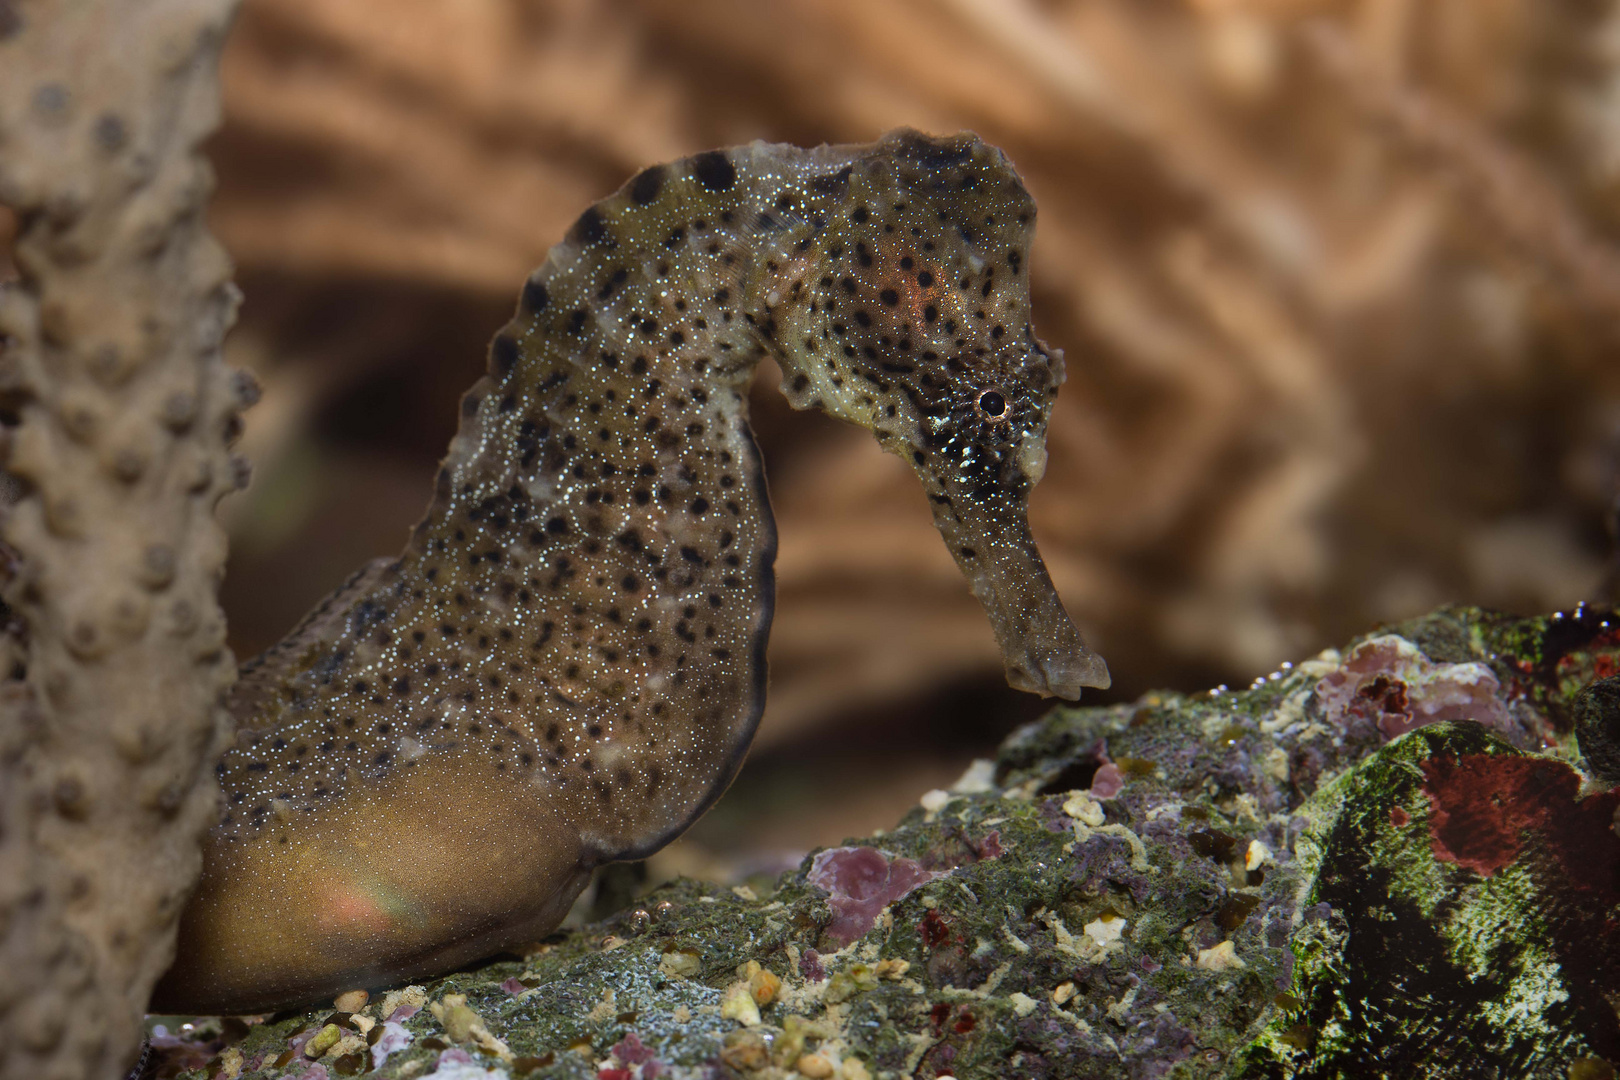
(1041, 647)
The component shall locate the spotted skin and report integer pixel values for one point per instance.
(567, 663)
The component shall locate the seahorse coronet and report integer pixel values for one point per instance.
(567, 663)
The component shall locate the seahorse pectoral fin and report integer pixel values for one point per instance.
(1040, 646)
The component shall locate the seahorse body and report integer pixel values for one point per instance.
(567, 663)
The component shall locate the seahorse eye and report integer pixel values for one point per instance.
(992, 404)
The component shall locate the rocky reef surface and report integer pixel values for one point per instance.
(1381, 861)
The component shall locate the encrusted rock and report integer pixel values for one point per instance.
(1597, 728)
(1259, 889)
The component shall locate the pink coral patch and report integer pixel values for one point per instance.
(630, 1050)
(1388, 681)
(1107, 781)
(307, 1071)
(860, 883)
(394, 1038)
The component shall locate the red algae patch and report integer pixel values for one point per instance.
(1485, 809)
(860, 883)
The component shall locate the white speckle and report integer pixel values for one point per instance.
(1105, 930)
(1222, 957)
(1083, 808)
(979, 778)
(739, 1005)
(540, 488)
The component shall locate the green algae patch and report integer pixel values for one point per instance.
(1254, 884)
(1463, 899)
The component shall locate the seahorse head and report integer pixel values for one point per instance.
(918, 328)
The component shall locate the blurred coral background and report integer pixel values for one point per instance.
(1336, 282)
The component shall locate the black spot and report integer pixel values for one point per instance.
(925, 279)
(535, 297)
(860, 215)
(714, 171)
(647, 184)
(589, 228)
(832, 183)
(936, 153)
(889, 297)
(503, 355)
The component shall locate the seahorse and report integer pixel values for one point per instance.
(567, 663)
